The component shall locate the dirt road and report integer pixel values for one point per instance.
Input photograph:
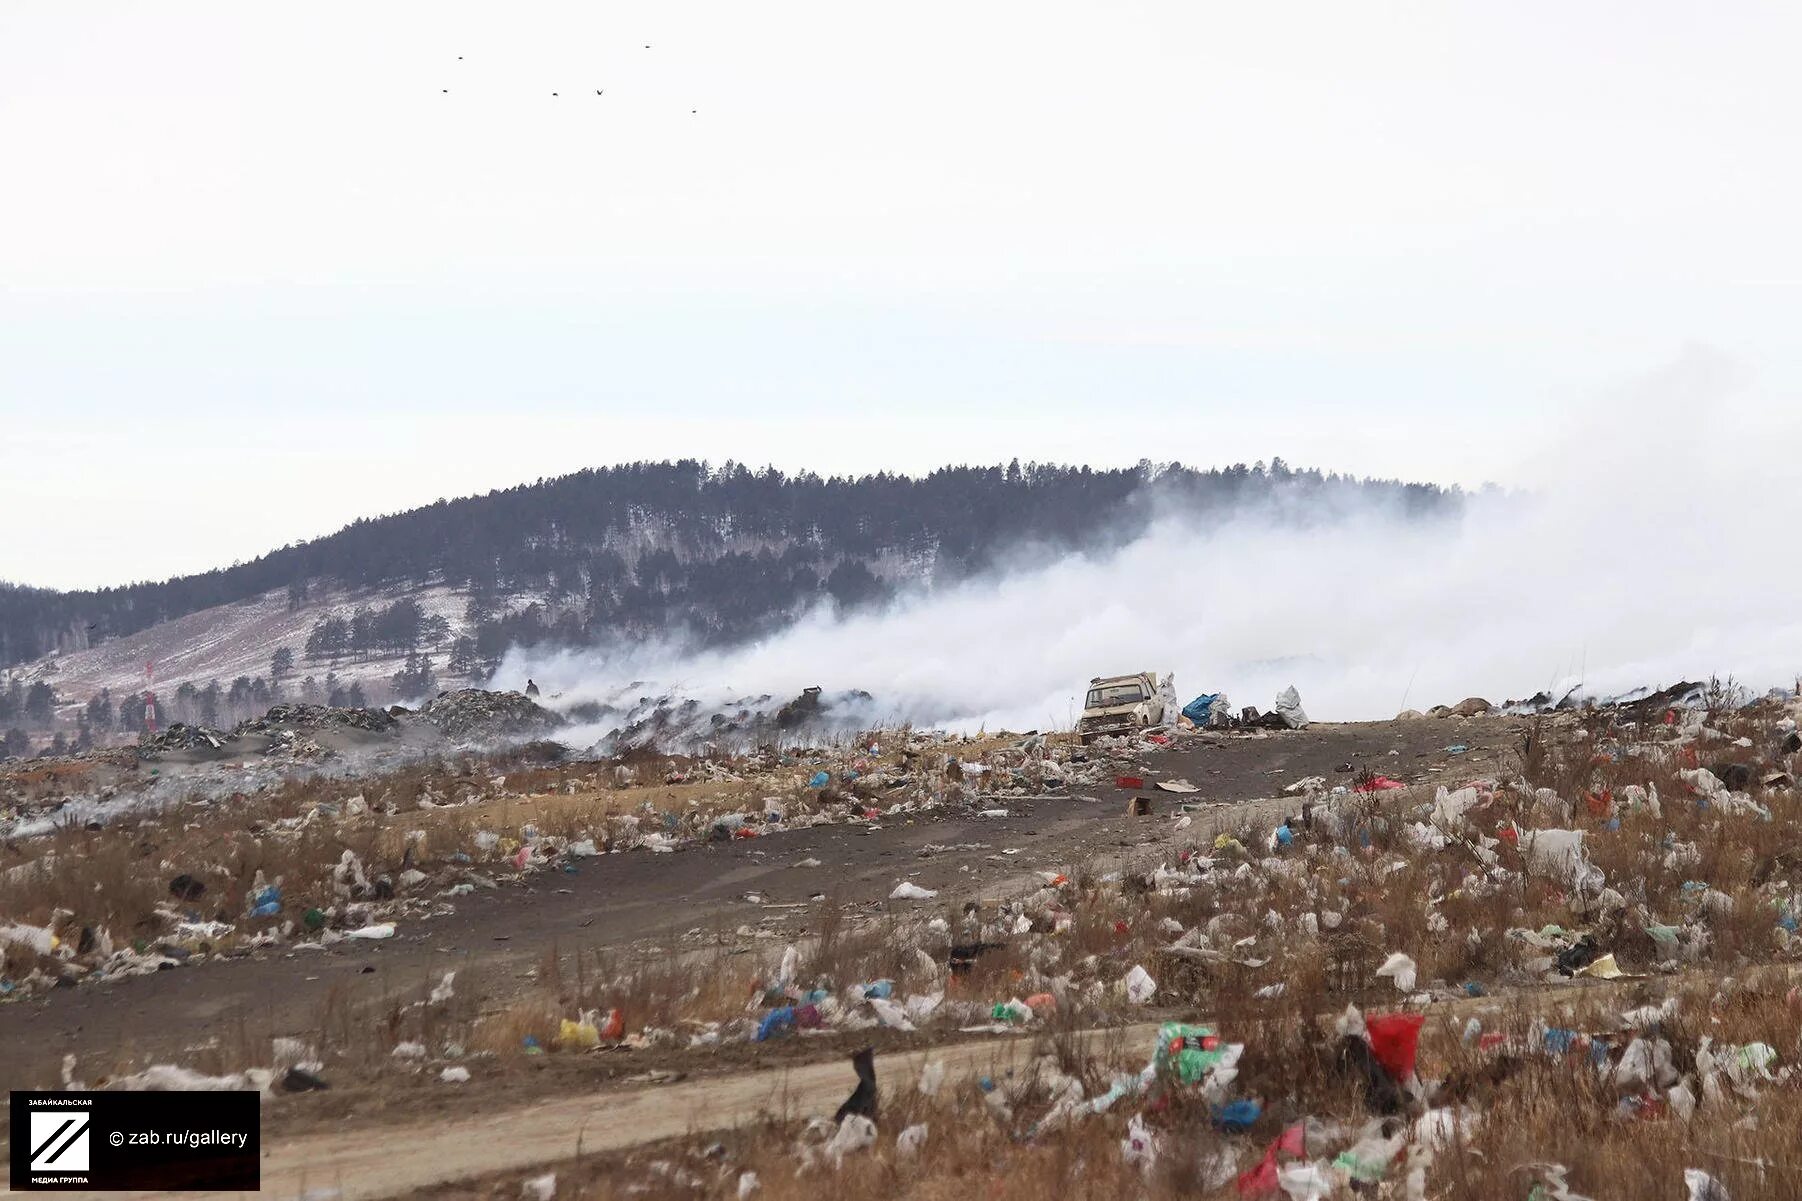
(361, 1163)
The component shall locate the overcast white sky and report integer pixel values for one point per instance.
(261, 273)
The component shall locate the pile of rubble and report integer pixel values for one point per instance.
(180, 737)
(676, 725)
(300, 716)
(472, 714)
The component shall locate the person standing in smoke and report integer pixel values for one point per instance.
(531, 688)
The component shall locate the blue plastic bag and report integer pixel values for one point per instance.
(1197, 709)
(775, 1023)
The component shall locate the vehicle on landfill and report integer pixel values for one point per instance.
(1121, 705)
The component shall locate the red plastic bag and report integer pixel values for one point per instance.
(1128, 782)
(1261, 1181)
(1395, 1041)
(1378, 784)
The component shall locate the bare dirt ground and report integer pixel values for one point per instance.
(642, 901)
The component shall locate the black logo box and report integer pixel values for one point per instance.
(134, 1164)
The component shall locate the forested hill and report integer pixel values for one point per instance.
(726, 552)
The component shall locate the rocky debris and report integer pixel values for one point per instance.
(180, 737)
(1470, 706)
(281, 718)
(471, 713)
(671, 725)
(801, 710)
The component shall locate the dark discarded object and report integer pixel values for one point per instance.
(1381, 1093)
(963, 955)
(296, 1081)
(1737, 776)
(801, 710)
(1578, 955)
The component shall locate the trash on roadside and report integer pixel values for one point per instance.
(1703, 1187)
(776, 1023)
(1140, 1146)
(1394, 1041)
(1288, 707)
(910, 1140)
(582, 1034)
(1399, 968)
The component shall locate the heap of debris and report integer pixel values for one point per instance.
(801, 710)
(678, 725)
(182, 737)
(472, 713)
(309, 717)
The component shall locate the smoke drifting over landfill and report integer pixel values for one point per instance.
(1657, 542)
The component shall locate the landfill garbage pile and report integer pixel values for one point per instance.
(473, 714)
(916, 776)
(1213, 711)
(1582, 980)
(290, 741)
(180, 737)
(1492, 885)
(1634, 704)
(672, 724)
(284, 732)
(300, 716)
(1367, 1102)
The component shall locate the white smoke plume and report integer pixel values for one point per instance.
(1659, 542)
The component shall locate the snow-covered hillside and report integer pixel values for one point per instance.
(228, 641)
